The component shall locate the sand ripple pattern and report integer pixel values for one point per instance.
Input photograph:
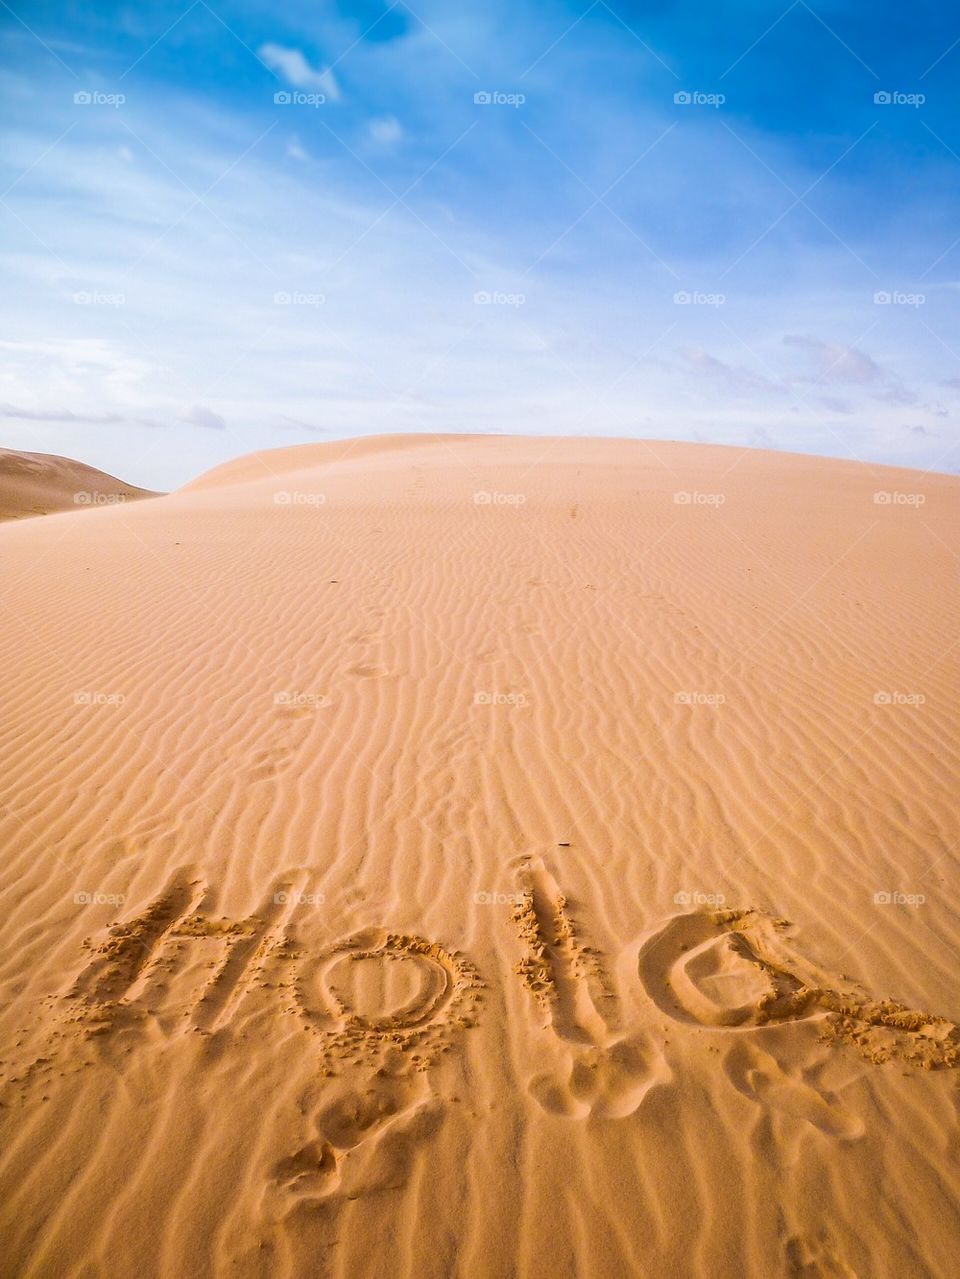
(429, 852)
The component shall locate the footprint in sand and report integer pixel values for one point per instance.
(815, 1257)
(738, 970)
(365, 1136)
(313, 1172)
(386, 1006)
(759, 1076)
(608, 1082)
(600, 1071)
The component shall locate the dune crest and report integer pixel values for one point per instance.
(42, 483)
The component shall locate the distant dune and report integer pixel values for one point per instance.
(41, 483)
(484, 857)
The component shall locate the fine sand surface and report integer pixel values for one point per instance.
(41, 483)
(467, 857)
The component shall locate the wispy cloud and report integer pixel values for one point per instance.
(198, 415)
(386, 131)
(835, 362)
(293, 66)
(736, 377)
(16, 413)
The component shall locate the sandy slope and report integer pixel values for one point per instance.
(448, 847)
(40, 483)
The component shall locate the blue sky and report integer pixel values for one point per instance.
(228, 227)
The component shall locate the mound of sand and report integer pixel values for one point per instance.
(41, 483)
(484, 857)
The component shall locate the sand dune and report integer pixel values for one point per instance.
(41, 483)
(484, 857)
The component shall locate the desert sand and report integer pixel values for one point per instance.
(42, 483)
(484, 856)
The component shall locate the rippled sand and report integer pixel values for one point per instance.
(484, 856)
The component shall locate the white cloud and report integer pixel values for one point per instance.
(735, 377)
(296, 70)
(65, 362)
(17, 413)
(386, 131)
(834, 404)
(897, 395)
(295, 151)
(198, 415)
(836, 362)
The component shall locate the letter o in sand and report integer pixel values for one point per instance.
(376, 981)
